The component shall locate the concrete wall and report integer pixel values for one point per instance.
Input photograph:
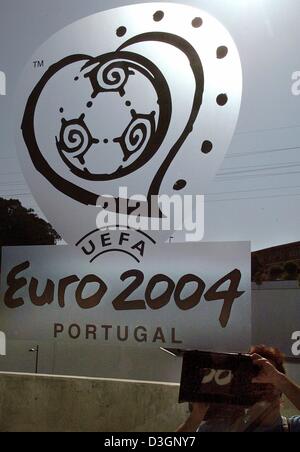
(35, 403)
(30, 403)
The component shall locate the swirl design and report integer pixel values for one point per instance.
(110, 76)
(137, 135)
(113, 75)
(75, 138)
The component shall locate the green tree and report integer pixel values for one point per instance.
(21, 226)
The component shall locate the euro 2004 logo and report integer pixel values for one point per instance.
(144, 97)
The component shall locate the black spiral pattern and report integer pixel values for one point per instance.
(137, 135)
(110, 76)
(75, 138)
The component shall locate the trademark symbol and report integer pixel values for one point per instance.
(38, 64)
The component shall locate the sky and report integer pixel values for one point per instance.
(256, 192)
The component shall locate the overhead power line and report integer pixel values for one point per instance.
(261, 152)
(254, 168)
(253, 190)
(255, 197)
(242, 132)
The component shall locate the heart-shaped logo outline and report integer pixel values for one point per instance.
(90, 68)
(80, 194)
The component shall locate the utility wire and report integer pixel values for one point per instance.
(251, 169)
(263, 151)
(253, 190)
(242, 132)
(254, 198)
(254, 176)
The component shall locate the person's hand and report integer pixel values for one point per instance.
(199, 411)
(195, 418)
(268, 373)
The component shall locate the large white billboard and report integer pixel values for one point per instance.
(183, 296)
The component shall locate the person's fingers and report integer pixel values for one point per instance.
(259, 361)
(257, 358)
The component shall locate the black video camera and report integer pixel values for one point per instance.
(221, 378)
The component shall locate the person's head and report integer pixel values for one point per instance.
(273, 400)
(272, 354)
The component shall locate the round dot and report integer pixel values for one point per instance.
(76, 79)
(180, 184)
(121, 31)
(206, 147)
(222, 52)
(197, 22)
(105, 141)
(105, 205)
(128, 103)
(61, 110)
(89, 104)
(222, 99)
(158, 16)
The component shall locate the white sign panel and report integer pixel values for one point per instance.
(183, 295)
(144, 97)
